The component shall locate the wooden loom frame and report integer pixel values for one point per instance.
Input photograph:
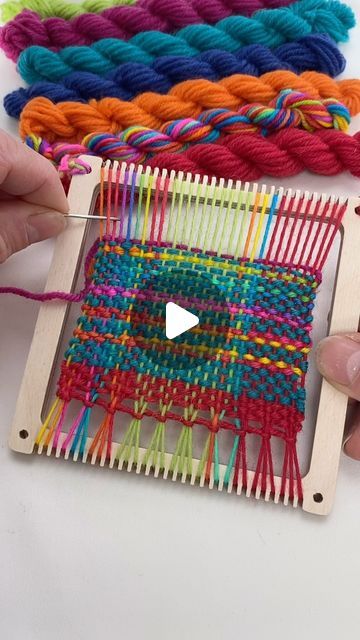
(320, 481)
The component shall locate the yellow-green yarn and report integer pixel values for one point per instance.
(57, 8)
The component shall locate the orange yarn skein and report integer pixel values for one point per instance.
(72, 121)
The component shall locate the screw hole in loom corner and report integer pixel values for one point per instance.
(24, 434)
(318, 497)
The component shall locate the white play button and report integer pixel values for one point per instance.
(178, 320)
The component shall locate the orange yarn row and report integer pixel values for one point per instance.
(72, 121)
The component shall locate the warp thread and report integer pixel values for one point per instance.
(210, 12)
(125, 64)
(238, 157)
(72, 120)
(270, 27)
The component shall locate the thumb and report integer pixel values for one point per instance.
(338, 360)
(22, 224)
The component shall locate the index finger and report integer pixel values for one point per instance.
(26, 174)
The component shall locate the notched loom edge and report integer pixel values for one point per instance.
(321, 478)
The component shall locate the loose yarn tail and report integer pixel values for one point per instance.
(59, 296)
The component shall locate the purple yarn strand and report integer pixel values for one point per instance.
(43, 297)
(60, 296)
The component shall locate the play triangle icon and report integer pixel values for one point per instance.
(178, 320)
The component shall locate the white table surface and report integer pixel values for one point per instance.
(86, 553)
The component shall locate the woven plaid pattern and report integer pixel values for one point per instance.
(246, 359)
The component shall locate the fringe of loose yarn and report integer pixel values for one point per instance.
(238, 157)
(132, 70)
(209, 11)
(71, 120)
(270, 27)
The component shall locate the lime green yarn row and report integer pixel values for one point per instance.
(58, 8)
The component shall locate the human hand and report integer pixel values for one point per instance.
(32, 199)
(338, 359)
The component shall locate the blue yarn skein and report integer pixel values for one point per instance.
(282, 25)
(315, 52)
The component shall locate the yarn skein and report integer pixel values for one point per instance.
(125, 64)
(269, 27)
(211, 12)
(130, 79)
(71, 120)
(239, 157)
(249, 157)
(289, 109)
(57, 8)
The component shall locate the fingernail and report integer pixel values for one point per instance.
(338, 358)
(45, 225)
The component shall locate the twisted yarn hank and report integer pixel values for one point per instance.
(132, 78)
(270, 27)
(71, 120)
(211, 12)
(57, 8)
(290, 109)
(239, 157)
(285, 153)
(314, 52)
